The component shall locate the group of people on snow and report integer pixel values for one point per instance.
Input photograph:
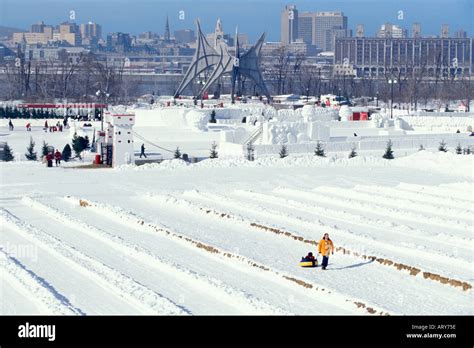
(58, 127)
(56, 156)
(325, 248)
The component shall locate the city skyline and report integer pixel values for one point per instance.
(154, 15)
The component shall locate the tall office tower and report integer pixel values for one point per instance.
(90, 32)
(416, 30)
(38, 27)
(445, 31)
(289, 25)
(326, 24)
(460, 34)
(307, 27)
(360, 30)
(69, 32)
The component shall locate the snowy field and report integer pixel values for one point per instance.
(225, 237)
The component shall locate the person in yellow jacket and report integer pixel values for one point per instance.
(325, 248)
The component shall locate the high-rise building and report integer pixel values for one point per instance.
(289, 25)
(416, 30)
(70, 32)
(460, 34)
(445, 31)
(313, 28)
(90, 33)
(360, 30)
(38, 27)
(326, 24)
(120, 42)
(307, 27)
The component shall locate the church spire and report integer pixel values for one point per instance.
(167, 30)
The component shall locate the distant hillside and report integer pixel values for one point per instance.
(8, 31)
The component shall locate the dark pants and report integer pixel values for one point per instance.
(142, 154)
(58, 162)
(325, 261)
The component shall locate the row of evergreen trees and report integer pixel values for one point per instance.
(213, 152)
(320, 151)
(79, 144)
(14, 112)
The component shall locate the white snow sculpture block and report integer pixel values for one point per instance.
(122, 138)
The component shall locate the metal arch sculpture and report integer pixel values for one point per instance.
(222, 62)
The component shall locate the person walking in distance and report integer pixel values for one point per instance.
(57, 157)
(325, 248)
(142, 152)
(49, 160)
(10, 125)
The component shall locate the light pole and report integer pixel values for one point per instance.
(391, 82)
(100, 94)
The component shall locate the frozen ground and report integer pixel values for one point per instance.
(220, 237)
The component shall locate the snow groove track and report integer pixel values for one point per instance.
(145, 300)
(199, 282)
(384, 206)
(451, 208)
(389, 227)
(366, 210)
(26, 281)
(353, 240)
(137, 222)
(441, 192)
(383, 261)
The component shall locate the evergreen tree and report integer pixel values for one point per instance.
(177, 153)
(388, 151)
(7, 153)
(442, 146)
(319, 151)
(31, 154)
(214, 153)
(283, 151)
(459, 149)
(353, 153)
(15, 113)
(421, 148)
(44, 148)
(250, 152)
(79, 144)
(66, 154)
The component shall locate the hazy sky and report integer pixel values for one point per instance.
(252, 16)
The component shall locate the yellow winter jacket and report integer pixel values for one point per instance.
(325, 247)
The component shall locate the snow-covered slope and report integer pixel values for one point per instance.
(225, 237)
